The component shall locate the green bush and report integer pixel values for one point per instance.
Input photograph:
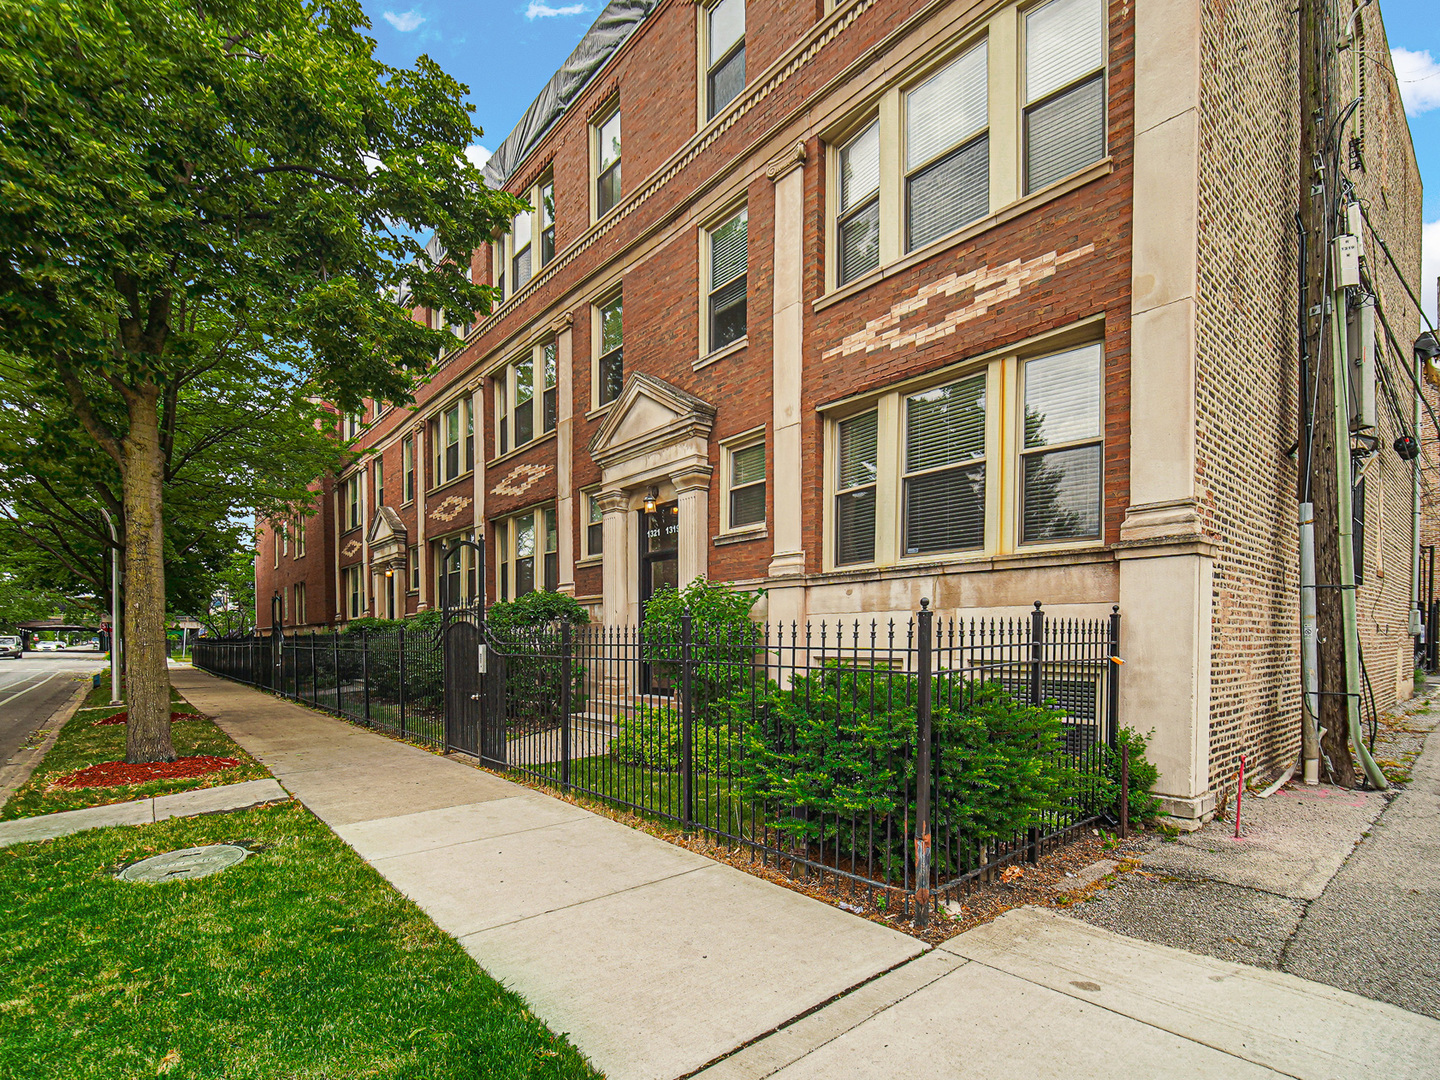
(724, 640)
(526, 631)
(838, 745)
(651, 740)
(1144, 806)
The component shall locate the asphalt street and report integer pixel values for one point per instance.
(31, 689)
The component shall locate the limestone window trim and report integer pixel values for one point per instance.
(717, 301)
(529, 245)
(1003, 460)
(594, 517)
(527, 551)
(607, 349)
(606, 186)
(525, 391)
(734, 347)
(729, 448)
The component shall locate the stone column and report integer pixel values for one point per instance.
(341, 613)
(477, 414)
(420, 488)
(367, 583)
(786, 474)
(565, 453)
(615, 505)
(692, 491)
(1166, 561)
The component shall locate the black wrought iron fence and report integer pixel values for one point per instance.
(388, 679)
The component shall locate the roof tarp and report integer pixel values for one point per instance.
(615, 24)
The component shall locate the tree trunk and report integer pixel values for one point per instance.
(147, 733)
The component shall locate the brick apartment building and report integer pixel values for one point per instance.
(971, 300)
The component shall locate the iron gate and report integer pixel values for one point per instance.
(464, 685)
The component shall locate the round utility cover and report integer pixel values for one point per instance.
(190, 862)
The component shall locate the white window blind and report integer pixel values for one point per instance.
(726, 60)
(1065, 48)
(859, 225)
(1064, 40)
(747, 486)
(945, 468)
(728, 263)
(857, 469)
(947, 152)
(1062, 457)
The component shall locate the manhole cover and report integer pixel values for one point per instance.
(190, 862)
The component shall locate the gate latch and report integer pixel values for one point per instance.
(474, 697)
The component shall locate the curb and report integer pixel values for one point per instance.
(14, 773)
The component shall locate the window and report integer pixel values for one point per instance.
(944, 477)
(1060, 464)
(407, 463)
(725, 54)
(453, 436)
(454, 577)
(353, 582)
(531, 375)
(299, 608)
(413, 562)
(350, 502)
(947, 149)
(528, 553)
(520, 244)
(497, 264)
(300, 536)
(519, 252)
(352, 425)
(745, 484)
(379, 482)
(275, 538)
(607, 164)
(545, 207)
(610, 370)
(859, 224)
(857, 467)
(1065, 46)
(727, 248)
(285, 538)
(918, 475)
(594, 527)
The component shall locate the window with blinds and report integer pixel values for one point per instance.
(1061, 460)
(549, 391)
(610, 371)
(944, 480)
(520, 239)
(725, 54)
(858, 228)
(746, 482)
(857, 468)
(1065, 50)
(594, 526)
(728, 264)
(607, 161)
(947, 149)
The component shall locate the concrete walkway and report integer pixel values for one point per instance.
(142, 811)
(657, 961)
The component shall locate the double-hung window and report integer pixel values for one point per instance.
(351, 502)
(407, 462)
(453, 438)
(1065, 48)
(724, 54)
(379, 482)
(607, 164)
(857, 470)
(530, 244)
(300, 536)
(858, 227)
(944, 469)
(947, 149)
(545, 208)
(610, 369)
(728, 250)
(299, 610)
(354, 592)
(594, 526)
(530, 376)
(527, 553)
(412, 560)
(745, 484)
(1061, 461)
(520, 241)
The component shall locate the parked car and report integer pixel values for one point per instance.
(48, 646)
(10, 648)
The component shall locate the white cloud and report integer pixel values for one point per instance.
(1430, 268)
(478, 155)
(406, 21)
(537, 10)
(1419, 77)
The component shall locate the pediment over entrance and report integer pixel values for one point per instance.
(648, 415)
(387, 536)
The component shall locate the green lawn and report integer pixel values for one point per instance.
(81, 743)
(301, 962)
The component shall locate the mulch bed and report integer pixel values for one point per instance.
(116, 773)
(121, 717)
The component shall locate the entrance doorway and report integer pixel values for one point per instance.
(659, 567)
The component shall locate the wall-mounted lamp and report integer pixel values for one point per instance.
(389, 571)
(651, 497)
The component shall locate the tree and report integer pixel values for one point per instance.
(231, 608)
(200, 191)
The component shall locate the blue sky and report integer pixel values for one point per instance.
(505, 52)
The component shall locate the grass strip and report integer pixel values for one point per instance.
(81, 744)
(300, 962)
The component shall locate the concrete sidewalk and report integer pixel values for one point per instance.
(657, 961)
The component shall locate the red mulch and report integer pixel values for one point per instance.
(121, 717)
(115, 773)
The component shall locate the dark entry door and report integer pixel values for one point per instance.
(659, 567)
(464, 687)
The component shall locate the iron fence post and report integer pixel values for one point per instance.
(336, 639)
(1125, 792)
(923, 722)
(365, 669)
(565, 677)
(1037, 699)
(1112, 679)
(687, 717)
(400, 682)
